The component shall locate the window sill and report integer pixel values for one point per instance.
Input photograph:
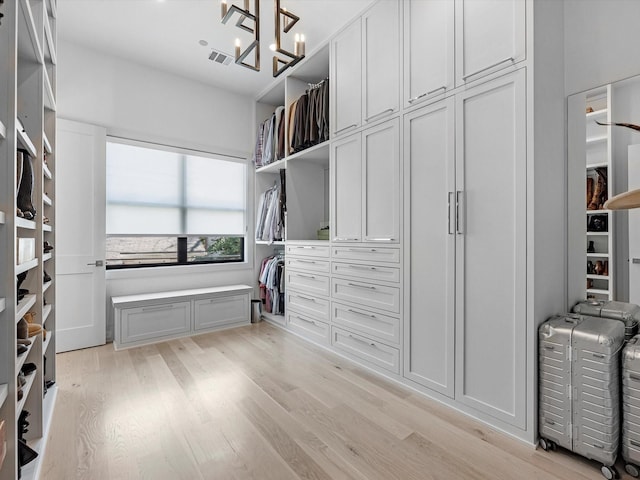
(169, 271)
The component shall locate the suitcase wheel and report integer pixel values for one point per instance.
(609, 472)
(632, 470)
(544, 444)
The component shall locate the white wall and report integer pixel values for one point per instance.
(135, 101)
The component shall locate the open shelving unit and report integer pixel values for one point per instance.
(27, 107)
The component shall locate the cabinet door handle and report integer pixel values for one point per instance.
(361, 286)
(449, 204)
(308, 299)
(306, 320)
(411, 100)
(379, 115)
(360, 267)
(510, 59)
(380, 239)
(460, 212)
(369, 344)
(345, 128)
(159, 307)
(360, 313)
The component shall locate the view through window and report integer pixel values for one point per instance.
(171, 208)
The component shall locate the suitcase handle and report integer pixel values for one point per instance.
(634, 377)
(597, 446)
(598, 355)
(634, 443)
(550, 422)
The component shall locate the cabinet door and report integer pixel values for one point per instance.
(381, 53)
(428, 49)
(219, 311)
(346, 75)
(346, 190)
(490, 36)
(141, 324)
(382, 183)
(491, 314)
(430, 171)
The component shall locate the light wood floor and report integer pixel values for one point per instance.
(258, 403)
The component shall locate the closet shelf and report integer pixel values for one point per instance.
(316, 154)
(46, 286)
(46, 171)
(24, 140)
(4, 391)
(594, 140)
(23, 267)
(598, 255)
(46, 256)
(598, 277)
(46, 143)
(593, 166)
(273, 167)
(3, 304)
(597, 234)
(598, 212)
(49, 98)
(51, 47)
(26, 224)
(25, 304)
(31, 470)
(3, 219)
(598, 113)
(46, 342)
(23, 358)
(25, 393)
(28, 41)
(47, 228)
(47, 200)
(598, 291)
(266, 242)
(3, 131)
(46, 310)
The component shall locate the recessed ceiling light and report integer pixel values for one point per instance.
(204, 43)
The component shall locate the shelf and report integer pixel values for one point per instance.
(316, 154)
(47, 228)
(3, 304)
(598, 139)
(46, 143)
(4, 391)
(25, 304)
(49, 98)
(26, 224)
(597, 234)
(597, 255)
(273, 94)
(46, 342)
(28, 41)
(3, 131)
(51, 46)
(25, 391)
(597, 291)
(46, 256)
(46, 311)
(23, 267)
(46, 286)
(597, 277)
(266, 242)
(598, 212)
(593, 166)
(24, 140)
(33, 470)
(47, 200)
(273, 167)
(598, 113)
(23, 358)
(46, 171)
(3, 219)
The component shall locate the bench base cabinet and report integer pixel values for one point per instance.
(219, 311)
(154, 322)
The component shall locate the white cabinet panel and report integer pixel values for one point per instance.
(368, 272)
(490, 36)
(219, 311)
(346, 78)
(294, 263)
(366, 254)
(373, 352)
(346, 190)
(308, 305)
(430, 168)
(308, 327)
(375, 324)
(153, 322)
(491, 250)
(428, 49)
(381, 52)
(373, 296)
(382, 183)
(308, 282)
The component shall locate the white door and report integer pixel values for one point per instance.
(381, 68)
(634, 227)
(490, 36)
(80, 218)
(381, 183)
(491, 314)
(346, 190)
(428, 49)
(430, 174)
(346, 74)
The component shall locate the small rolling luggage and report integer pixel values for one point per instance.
(629, 313)
(631, 406)
(579, 385)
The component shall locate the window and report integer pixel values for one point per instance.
(166, 207)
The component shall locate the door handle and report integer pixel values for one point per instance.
(97, 263)
(449, 205)
(510, 59)
(379, 115)
(460, 212)
(635, 260)
(345, 128)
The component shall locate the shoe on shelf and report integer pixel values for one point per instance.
(47, 278)
(45, 220)
(23, 330)
(47, 247)
(19, 213)
(20, 349)
(26, 454)
(28, 368)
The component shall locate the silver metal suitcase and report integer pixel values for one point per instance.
(631, 406)
(579, 386)
(629, 313)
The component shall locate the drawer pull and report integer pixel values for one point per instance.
(358, 267)
(379, 115)
(361, 286)
(510, 59)
(372, 250)
(381, 239)
(306, 248)
(369, 344)
(313, 277)
(308, 299)
(361, 314)
(306, 320)
(634, 443)
(345, 239)
(306, 261)
(159, 307)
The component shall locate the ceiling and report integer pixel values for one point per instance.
(165, 34)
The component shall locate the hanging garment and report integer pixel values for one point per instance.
(271, 282)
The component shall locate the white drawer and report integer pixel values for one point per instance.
(155, 321)
(380, 326)
(371, 255)
(368, 272)
(366, 349)
(320, 251)
(219, 311)
(308, 282)
(319, 266)
(308, 305)
(373, 296)
(308, 327)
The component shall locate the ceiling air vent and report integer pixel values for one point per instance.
(220, 57)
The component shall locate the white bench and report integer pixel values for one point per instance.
(156, 317)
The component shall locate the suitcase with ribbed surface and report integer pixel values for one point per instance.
(631, 406)
(579, 385)
(629, 313)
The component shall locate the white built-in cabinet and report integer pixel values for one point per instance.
(346, 79)
(428, 50)
(365, 188)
